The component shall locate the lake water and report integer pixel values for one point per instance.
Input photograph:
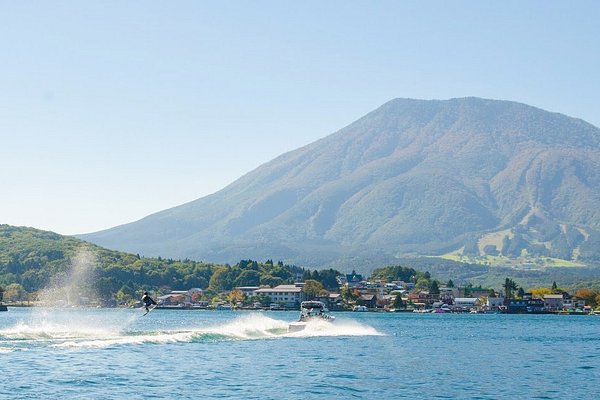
(117, 354)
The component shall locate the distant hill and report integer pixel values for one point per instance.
(52, 267)
(41, 261)
(36, 264)
(413, 177)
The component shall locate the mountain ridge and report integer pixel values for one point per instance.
(413, 176)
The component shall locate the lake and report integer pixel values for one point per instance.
(118, 354)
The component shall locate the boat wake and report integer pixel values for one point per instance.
(247, 327)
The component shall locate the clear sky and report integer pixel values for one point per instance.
(113, 110)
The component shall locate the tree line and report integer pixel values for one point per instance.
(32, 260)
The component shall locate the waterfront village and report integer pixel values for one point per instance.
(358, 294)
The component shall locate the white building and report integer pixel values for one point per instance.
(494, 303)
(466, 302)
(289, 295)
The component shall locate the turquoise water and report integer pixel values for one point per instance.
(117, 354)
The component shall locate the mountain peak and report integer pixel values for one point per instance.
(411, 176)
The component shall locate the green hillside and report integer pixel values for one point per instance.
(45, 266)
(38, 263)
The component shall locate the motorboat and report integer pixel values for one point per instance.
(360, 308)
(310, 311)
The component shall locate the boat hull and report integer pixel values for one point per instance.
(296, 326)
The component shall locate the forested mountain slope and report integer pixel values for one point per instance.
(412, 177)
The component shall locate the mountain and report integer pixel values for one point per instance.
(411, 177)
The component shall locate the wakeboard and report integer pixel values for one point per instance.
(151, 308)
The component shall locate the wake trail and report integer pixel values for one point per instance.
(247, 327)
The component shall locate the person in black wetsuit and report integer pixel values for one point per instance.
(148, 301)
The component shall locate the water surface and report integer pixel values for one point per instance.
(118, 354)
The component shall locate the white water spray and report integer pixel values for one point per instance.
(56, 318)
(74, 287)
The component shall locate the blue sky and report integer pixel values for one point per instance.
(113, 110)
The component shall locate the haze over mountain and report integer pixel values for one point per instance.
(411, 177)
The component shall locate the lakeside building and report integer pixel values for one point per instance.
(553, 302)
(367, 300)
(334, 301)
(354, 281)
(180, 298)
(572, 304)
(376, 288)
(465, 303)
(535, 306)
(517, 306)
(404, 285)
(494, 303)
(424, 297)
(288, 295)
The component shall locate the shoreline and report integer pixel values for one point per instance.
(7, 306)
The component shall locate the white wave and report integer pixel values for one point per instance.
(6, 350)
(247, 327)
(251, 326)
(52, 330)
(260, 326)
(156, 338)
(50, 325)
(339, 327)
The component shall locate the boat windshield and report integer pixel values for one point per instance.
(312, 304)
(309, 309)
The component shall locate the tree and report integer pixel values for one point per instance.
(450, 284)
(271, 281)
(15, 292)
(422, 283)
(556, 289)
(509, 287)
(219, 279)
(122, 297)
(588, 295)
(329, 278)
(467, 289)
(398, 303)
(312, 288)
(264, 299)
(393, 273)
(348, 295)
(236, 296)
(195, 281)
(434, 287)
(248, 277)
